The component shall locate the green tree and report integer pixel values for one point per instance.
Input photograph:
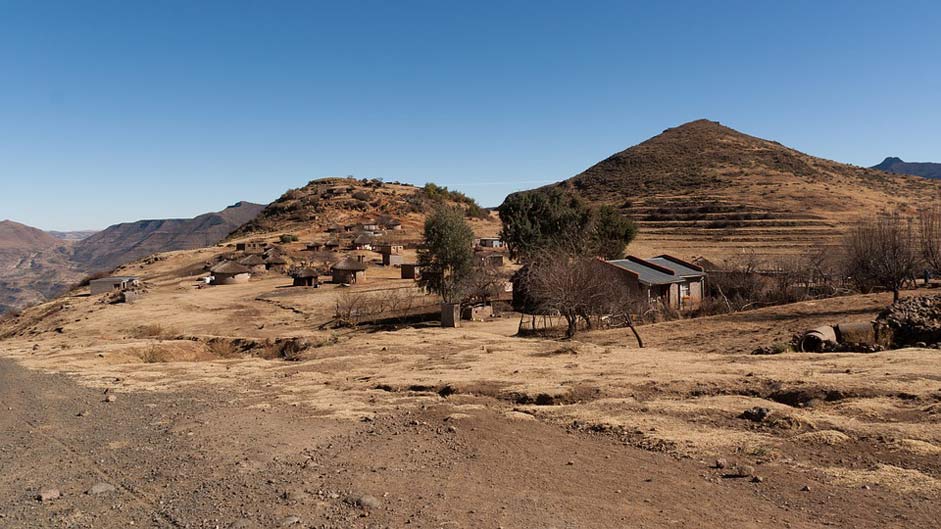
(611, 233)
(447, 257)
(550, 218)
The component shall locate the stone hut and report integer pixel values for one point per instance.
(251, 247)
(229, 273)
(348, 271)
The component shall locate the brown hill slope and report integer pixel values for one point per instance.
(307, 211)
(34, 265)
(128, 241)
(706, 189)
(14, 235)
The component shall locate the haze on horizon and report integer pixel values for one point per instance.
(116, 111)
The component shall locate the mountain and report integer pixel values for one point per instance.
(36, 265)
(33, 265)
(20, 237)
(896, 165)
(704, 189)
(72, 235)
(128, 241)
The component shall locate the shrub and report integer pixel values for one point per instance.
(286, 238)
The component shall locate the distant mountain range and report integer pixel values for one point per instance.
(36, 265)
(897, 165)
(125, 242)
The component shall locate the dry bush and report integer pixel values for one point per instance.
(354, 308)
(150, 330)
(223, 348)
(154, 354)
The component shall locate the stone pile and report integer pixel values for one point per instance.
(912, 322)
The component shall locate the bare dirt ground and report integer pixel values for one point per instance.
(469, 427)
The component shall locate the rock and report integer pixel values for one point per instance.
(805, 488)
(366, 501)
(289, 521)
(757, 479)
(294, 495)
(721, 463)
(100, 488)
(110, 398)
(756, 414)
(242, 523)
(47, 495)
(742, 471)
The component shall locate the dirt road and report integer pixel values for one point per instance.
(207, 459)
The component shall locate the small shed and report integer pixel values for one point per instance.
(305, 277)
(477, 312)
(494, 259)
(229, 273)
(389, 248)
(348, 271)
(490, 242)
(410, 271)
(105, 285)
(393, 225)
(332, 245)
(314, 246)
(254, 263)
(391, 259)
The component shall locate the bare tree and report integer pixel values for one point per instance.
(577, 288)
(882, 251)
(929, 224)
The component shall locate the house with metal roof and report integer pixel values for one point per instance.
(676, 283)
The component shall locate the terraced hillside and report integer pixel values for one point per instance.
(703, 189)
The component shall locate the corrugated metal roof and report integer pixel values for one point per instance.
(647, 274)
(677, 268)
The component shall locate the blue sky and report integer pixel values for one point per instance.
(118, 110)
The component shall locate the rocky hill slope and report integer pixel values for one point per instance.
(703, 189)
(307, 211)
(128, 241)
(897, 165)
(33, 265)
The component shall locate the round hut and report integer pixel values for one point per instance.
(230, 273)
(348, 271)
(276, 262)
(305, 277)
(254, 263)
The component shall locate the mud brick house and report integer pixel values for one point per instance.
(105, 285)
(251, 247)
(672, 281)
